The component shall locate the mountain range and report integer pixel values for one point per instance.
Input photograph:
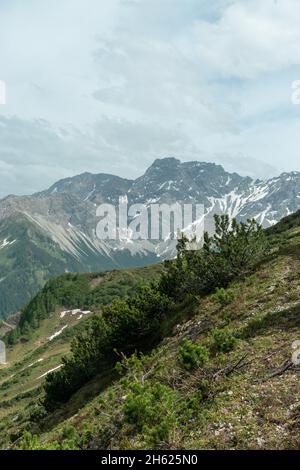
(54, 231)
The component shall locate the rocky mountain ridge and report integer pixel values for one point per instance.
(55, 230)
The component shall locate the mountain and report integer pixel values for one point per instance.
(223, 375)
(54, 231)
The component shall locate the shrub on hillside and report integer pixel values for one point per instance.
(124, 327)
(151, 410)
(222, 341)
(192, 356)
(29, 442)
(234, 250)
(223, 296)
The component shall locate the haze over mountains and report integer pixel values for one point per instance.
(54, 231)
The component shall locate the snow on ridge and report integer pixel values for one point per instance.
(258, 192)
(236, 201)
(260, 218)
(231, 203)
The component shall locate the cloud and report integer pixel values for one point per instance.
(35, 154)
(109, 86)
(251, 38)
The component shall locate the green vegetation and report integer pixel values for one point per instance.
(30, 258)
(233, 251)
(124, 326)
(26, 264)
(223, 296)
(136, 323)
(192, 356)
(222, 341)
(72, 291)
(177, 363)
(286, 224)
(150, 409)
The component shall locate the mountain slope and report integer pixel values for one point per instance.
(33, 251)
(245, 396)
(63, 220)
(48, 324)
(28, 257)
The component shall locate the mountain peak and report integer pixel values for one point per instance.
(167, 160)
(164, 163)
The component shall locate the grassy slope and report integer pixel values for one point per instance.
(27, 361)
(246, 407)
(253, 397)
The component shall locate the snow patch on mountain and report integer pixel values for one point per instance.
(57, 333)
(75, 311)
(5, 243)
(49, 371)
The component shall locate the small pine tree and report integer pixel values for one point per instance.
(232, 251)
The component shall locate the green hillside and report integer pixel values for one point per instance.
(201, 359)
(30, 353)
(29, 258)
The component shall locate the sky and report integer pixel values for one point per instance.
(109, 86)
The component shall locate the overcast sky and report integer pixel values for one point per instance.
(108, 86)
